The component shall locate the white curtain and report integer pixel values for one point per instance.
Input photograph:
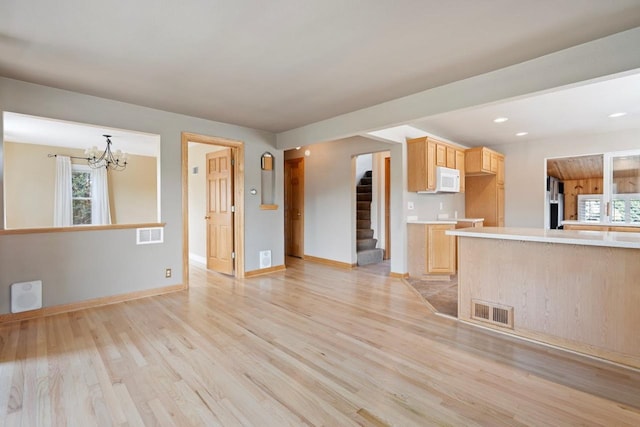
(100, 212)
(62, 212)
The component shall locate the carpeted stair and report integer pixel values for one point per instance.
(365, 243)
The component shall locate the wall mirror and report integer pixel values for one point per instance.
(37, 176)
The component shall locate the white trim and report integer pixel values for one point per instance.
(197, 258)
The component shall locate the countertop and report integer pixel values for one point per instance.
(568, 237)
(444, 221)
(599, 224)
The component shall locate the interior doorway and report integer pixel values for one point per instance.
(219, 210)
(372, 178)
(216, 217)
(294, 207)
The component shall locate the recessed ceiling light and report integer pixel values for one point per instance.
(500, 119)
(620, 114)
(522, 133)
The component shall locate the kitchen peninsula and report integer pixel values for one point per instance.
(574, 289)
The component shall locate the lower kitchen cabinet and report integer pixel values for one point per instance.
(441, 249)
(431, 251)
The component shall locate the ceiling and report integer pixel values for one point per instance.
(579, 167)
(282, 64)
(577, 110)
(26, 129)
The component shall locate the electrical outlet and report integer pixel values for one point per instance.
(167, 273)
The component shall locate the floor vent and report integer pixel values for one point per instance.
(495, 314)
(146, 236)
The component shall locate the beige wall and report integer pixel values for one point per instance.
(29, 179)
(133, 192)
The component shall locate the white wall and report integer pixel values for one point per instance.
(363, 164)
(525, 169)
(330, 197)
(427, 206)
(71, 264)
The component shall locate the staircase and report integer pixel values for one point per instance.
(365, 243)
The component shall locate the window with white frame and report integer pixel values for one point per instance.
(81, 194)
(589, 207)
(625, 208)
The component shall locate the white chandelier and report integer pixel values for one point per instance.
(107, 159)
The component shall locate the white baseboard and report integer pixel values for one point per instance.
(197, 258)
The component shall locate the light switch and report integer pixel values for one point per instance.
(410, 206)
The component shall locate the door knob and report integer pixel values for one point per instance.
(207, 217)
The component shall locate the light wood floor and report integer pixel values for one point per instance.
(310, 346)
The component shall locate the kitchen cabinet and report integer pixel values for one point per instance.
(441, 249)
(421, 164)
(500, 205)
(482, 160)
(424, 155)
(459, 164)
(441, 155)
(451, 157)
(484, 189)
(432, 253)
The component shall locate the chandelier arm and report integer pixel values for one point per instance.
(107, 159)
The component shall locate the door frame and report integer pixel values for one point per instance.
(237, 150)
(387, 207)
(286, 204)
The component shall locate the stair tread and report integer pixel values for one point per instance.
(370, 250)
(370, 256)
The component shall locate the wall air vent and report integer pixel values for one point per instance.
(26, 296)
(495, 314)
(147, 236)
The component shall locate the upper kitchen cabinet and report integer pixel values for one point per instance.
(484, 196)
(482, 161)
(461, 167)
(424, 155)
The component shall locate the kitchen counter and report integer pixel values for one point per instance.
(613, 226)
(444, 221)
(571, 289)
(600, 224)
(569, 237)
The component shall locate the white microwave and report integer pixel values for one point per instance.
(447, 181)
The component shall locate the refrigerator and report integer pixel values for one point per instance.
(554, 203)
